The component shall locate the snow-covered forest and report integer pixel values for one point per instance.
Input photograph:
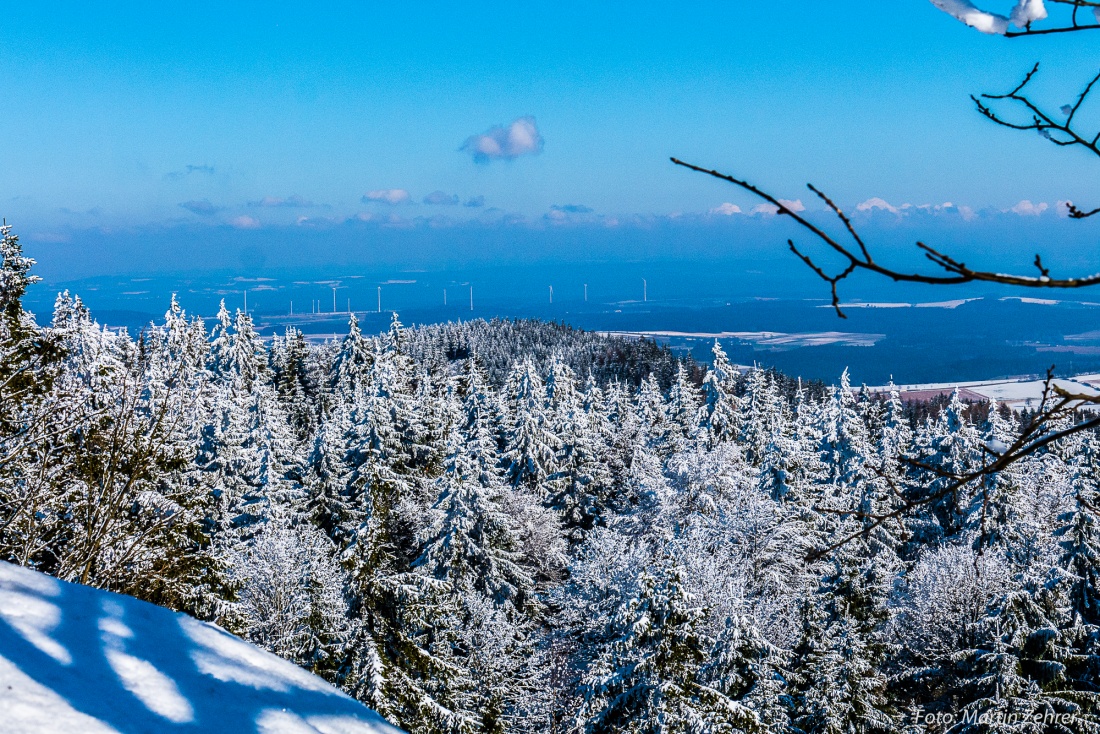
(518, 527)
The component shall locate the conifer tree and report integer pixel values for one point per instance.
(720, 402)
(646, 679)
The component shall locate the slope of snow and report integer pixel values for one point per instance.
(76, 659)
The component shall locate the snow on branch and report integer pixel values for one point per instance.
(1023, 15)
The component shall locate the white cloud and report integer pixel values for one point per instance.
(1062, 208)
(387, 196)
(1026, 209)
(520, 137)
(245, 222)
(876, 203)
(794, 205)
(727, 209)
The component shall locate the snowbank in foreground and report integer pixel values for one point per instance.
(76, 659)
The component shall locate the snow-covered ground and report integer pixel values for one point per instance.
(1017, 394)
(76, 659)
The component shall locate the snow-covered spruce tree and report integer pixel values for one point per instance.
(653, 415)
(351, 369)
(1079, 561)
(720, 403)
(119, 449)
(1016, 675)
(952, 444)
(762, 414)
(836, 678)
(646, 679)
(472, 545)
(29, 362)
(297, 388)
(579, 489)
(325, 479)
(683, 411)
(742, 682)
(475, 548)
(531, 448)
(191, 576)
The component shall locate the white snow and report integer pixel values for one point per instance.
(1027, 11)
(981, 20)
(1032, 301)
(1016, 394)
(76, 659)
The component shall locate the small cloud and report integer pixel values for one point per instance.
(202, 207)
(727, 209)
(794, 205)
(475, 201)
(1062, 208)
(1026, 209)
(876, 203)
(571, 208)
(441, 198)
(245, 222)
(188, 170)
(521, 137)
(290, 202)
(387, 196)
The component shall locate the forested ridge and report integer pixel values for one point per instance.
(520, 527)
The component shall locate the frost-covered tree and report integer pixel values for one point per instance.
(720, 402)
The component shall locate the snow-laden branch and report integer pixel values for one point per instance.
(1022, 16)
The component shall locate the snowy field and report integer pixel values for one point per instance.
(1016, 394)
(76, 659)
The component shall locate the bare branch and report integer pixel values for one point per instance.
(1061, 133)
(861, 259)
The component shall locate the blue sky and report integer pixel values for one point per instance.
(137, 120)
